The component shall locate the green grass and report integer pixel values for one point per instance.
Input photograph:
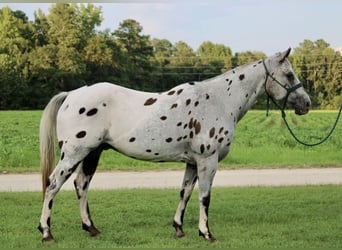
(259, 142)
(239, 217)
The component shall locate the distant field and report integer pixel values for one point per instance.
(259, 142)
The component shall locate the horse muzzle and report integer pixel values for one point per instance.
(301, 106)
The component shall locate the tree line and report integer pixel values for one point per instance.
(63, 50)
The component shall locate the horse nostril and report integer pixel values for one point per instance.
(308, 104)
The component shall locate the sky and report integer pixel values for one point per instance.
(269, 26)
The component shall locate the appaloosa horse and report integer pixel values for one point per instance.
(192, 123)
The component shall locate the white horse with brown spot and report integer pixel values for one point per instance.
(192, 123)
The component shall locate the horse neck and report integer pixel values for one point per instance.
(239, 88)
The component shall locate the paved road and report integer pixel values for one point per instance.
(173, 179)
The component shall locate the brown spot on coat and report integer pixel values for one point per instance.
(150, 101)
(163, 118)
(241, 77)
(60, 144)
(82, 110)
(171, 92)
(132, 139)
(174, 106)
(191, 123)
(197, 127)
(179, 91)
(169, 140)
(188, 102)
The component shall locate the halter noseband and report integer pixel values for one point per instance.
(288, 90)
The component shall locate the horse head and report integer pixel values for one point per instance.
(282, 83)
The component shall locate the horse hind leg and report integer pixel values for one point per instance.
(81, 183)
(62, 172)
(189, 182)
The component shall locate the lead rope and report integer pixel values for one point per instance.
(283, 115)
(319, 142)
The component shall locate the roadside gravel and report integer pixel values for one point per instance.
(173, 179)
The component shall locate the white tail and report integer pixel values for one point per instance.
(48, 137)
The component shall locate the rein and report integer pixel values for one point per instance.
(282, 109)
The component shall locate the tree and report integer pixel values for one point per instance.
(14, 46)
(102, 56)
(137, 51)
(247, 56)
(214, 59)
(182, 64)
(162, 74)
(62, 50)
(58, 62)
(320, 68)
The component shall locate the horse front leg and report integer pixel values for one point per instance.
(81, 183)
(206, 173)
(189, 181)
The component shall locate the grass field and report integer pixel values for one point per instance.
(259, 142)
(296, 217)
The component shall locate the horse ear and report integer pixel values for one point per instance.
(284, 55)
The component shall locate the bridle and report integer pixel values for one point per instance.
(288, 90)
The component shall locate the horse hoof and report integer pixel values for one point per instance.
(179, 234)
(208, 237)
(212, 239)
(179, 231)
(48, 239)
(93, 231)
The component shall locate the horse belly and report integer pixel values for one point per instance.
(151, 144)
